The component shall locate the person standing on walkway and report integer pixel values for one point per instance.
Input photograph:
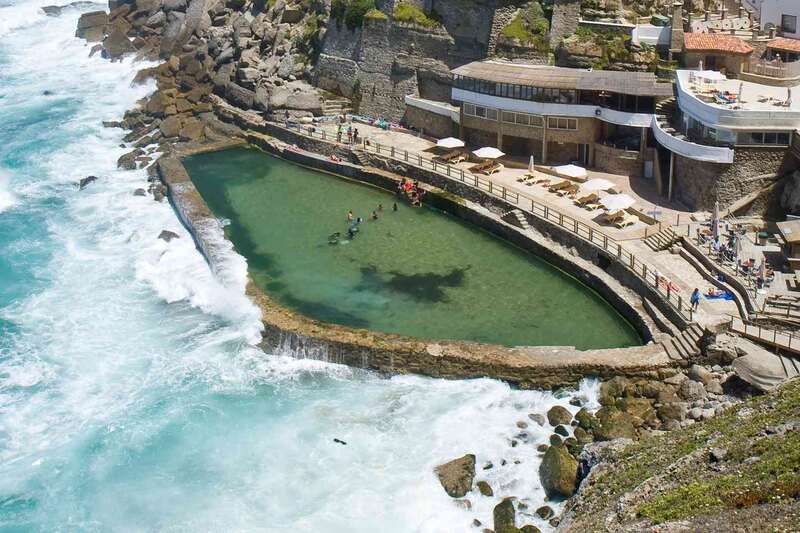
(349, 134)
(695, 299)
(355, 135)
(339, 134)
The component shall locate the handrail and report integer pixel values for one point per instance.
(585, 232)
(771, 335)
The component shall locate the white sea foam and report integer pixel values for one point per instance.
(7, 198)
(130, 386)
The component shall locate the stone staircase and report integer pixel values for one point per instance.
(517, 218)
(336, 106)
(662, 240)
(361, 157)
(733, 17)
(686, 345)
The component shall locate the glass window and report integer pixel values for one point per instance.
(572, 124)
(523, 119)
(536, 120)
(469, 109)
(789, 23)
(770, 138)
(517, 91)
(480, 111)
(508, 117)
(491, 114)
(783, 138)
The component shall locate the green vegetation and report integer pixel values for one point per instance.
(309, 43)
(614, 48)
(529, 27)
(375, 14)
(405, 12)
(761, 465)
(351, 12)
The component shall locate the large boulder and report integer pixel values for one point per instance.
(504, 517)
(723, 350)
(91, 26)
(457, 475)
(191, 129)
(559, 415)
(170, 126)
(614, 424)
(613, 389)
(116, 44)
(691, 391)
(239, 96)
(790, 197)
(558, 472)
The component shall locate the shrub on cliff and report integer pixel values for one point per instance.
(529, 27)
(405, 12)
(351, 12)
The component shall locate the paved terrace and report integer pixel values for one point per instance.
(648, 202)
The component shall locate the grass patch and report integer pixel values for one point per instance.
(375, 14)
(529, 27)
(351, 12)
(409, 13)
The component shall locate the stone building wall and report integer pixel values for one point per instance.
(430, 123)
(699, 184)
(616, 161)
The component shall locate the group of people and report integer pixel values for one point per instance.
(411, 190)
(350, 132)
(354, 223)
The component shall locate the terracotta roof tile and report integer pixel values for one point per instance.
(715, 42)
(784, 44)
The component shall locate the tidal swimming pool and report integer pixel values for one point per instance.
(415, 271)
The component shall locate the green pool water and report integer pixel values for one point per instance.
(417, 272)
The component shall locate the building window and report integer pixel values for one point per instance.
(469, 109)
(508, 117)
(491, 114)
(537, 121)
(558, 123)
(780, 138)
(523, 119)
(480, 111)
(789, 23)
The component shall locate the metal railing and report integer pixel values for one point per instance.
(777, 337)
(649, 275)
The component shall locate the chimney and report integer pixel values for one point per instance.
(677, 15)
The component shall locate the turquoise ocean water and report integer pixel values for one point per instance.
(132, 397)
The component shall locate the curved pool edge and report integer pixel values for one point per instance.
(287, 332)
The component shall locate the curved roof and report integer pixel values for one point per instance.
(784, 44)
(634, 83)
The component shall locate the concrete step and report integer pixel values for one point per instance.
(672, 352)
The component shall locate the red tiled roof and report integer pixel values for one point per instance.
(784, 44)
(715, 42)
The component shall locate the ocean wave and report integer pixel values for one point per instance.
(7, 198)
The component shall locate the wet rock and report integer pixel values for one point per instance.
(91, 26)
(170, 127)
(542, 448)
(52, 11)
(139, 192)
(558, 415)
(167, 235)
(522, 425)
(484, 488)
(545, 512)
(586, 420)
(456, 476)
(558, 472)
(84, 182)
(561, 430)
(128, 161)
(529, 528)
(464, 504)
(641, 409)
(504, 517)
(583, 436)
(555, 440)
(577, 402)
(614, 424)
(476, 523)
(488, 466)
(537, 417)
(116, 44)
(612, 389)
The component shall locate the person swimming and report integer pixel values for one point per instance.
(394, 207)
(350, 216)
(333, 238)
(374, 215)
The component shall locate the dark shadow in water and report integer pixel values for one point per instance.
(324, 312)
(423, 287)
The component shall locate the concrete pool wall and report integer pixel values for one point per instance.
(288, 332)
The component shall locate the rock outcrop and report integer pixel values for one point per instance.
(457, 475)
(558, 472)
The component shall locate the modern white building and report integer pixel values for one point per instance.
(783, 14)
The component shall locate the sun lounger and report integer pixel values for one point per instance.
(525, 178)
(627, 220)
(456, 156)
(614, 216)
(569, 190)
(561, 185)
(592, 206)
(480, 167)
(495, 167)
(588, 199)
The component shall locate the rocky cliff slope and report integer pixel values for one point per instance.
(737, 472)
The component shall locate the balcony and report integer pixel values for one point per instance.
(680, 145)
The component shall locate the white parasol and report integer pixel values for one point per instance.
(488, 152)
(573, 171)
(530, 165)
(597, 184)
(614, 202)
(450, 142)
